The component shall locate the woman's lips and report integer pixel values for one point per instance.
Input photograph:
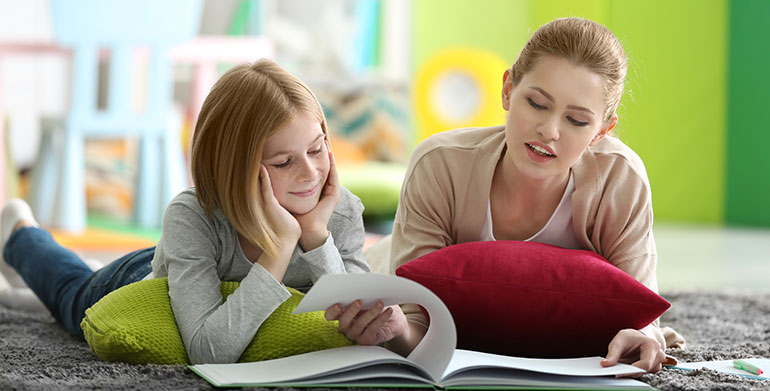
(539, 153)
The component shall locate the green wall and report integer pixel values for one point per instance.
(748, 124)
(675, 104)
(674, 110)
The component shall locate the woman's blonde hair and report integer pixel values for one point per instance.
(246, 106)
(583, 43)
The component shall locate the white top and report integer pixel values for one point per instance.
(557, 231)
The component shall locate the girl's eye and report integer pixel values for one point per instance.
(576, 122)
(316, 152)
(282, 165)
(535, 105)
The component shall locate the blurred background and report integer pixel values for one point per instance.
(98, 100)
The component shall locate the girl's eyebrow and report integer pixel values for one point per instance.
(284, 152)
(549, 97)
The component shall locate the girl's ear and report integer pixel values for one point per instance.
(603, 131)
(507, 88)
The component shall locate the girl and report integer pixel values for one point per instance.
(551, 174)
(266, 210)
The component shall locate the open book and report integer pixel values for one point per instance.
(433, 363)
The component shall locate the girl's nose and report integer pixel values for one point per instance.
(305, 170)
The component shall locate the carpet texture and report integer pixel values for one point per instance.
(36, 353)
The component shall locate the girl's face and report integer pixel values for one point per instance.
(297, 160)
(554, 114)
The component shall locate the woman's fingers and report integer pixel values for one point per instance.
(636, 348)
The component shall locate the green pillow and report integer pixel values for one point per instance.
(135, 324)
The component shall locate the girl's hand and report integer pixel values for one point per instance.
(314, 223)
(286, 226)
(634, 347)
(369, 326)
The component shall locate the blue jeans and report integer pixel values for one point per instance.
(61, 280)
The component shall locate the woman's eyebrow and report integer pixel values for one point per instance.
(549, 97)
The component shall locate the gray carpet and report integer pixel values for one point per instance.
(35, 353)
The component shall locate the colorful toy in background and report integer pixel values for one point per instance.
(369, 126)
(456, 88)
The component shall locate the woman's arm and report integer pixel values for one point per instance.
(623, 227)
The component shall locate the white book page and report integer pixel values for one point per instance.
(467, 360)
(300, 369)
(520, 378)
(433, 352)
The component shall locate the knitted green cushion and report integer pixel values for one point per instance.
(135, 324)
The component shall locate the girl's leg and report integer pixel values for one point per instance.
(62, 281)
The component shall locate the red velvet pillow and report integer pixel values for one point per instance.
(532, 299)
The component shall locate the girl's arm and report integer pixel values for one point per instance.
(195, 252)
(333, 233)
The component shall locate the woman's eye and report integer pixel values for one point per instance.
(576, 122)
(535, 105)
(282, 165)
(316, 152)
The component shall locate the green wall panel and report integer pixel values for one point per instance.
(499, 26)
(748, 138)
(673, 111)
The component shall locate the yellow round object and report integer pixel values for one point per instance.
(459, 88)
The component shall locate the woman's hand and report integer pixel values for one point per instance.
(636, 348)
(314, 223)
(369, 326)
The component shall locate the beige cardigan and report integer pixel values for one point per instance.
(446, 192)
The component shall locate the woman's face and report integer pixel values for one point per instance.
(554, 114)
(297, 160)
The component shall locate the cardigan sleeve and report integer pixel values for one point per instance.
(622, 229)
(423, 218)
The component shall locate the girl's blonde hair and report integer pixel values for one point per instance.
(583, 43)
(246, 106)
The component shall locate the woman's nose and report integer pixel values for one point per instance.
(549, 129)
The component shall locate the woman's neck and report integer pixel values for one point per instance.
(521, 205)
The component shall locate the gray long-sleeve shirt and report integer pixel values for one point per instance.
(197, 252)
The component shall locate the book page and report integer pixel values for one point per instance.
(465, 361)
(433, 352)
(307, 368)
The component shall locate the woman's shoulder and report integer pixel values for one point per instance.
(612, 154)
(462, 140)
(457, 149)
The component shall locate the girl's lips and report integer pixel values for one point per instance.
(305, 193)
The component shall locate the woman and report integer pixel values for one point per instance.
(552, 174)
